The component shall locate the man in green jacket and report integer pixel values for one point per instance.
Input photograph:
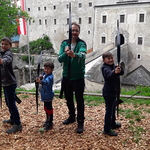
(73, 60)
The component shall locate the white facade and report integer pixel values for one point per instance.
(50, 18)
(135, 32)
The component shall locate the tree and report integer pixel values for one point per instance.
(9, 14)
(42, 43)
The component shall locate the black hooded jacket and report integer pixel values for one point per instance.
(110, 80)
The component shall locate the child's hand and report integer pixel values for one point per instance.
(117, 69)
(1, 61)
(41, 77)
(38, 80)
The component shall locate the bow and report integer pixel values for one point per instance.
(37, 84)
(69, 58)
(0, 89)
(118, 61)
(0, 85)
(70, 25)
(70, 39)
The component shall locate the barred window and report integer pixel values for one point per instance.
(104, 19)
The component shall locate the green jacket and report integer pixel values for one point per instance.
(77, 63)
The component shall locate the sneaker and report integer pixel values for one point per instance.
(15, 128)
(8, 121)
(45, 123)
(110, 133)
(117, 125)
(48, 126)
(69, 120)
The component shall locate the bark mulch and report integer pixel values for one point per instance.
(64, 137)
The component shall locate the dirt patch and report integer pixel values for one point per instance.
(64, 137)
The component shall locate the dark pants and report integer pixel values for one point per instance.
(9, 92)
(110, 118)
(74, 87)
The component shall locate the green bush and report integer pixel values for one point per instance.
(40, 44)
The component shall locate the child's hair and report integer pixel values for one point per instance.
(7, 39)
(49, 64)
(107, 54)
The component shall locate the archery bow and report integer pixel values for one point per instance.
(118, 61)
(70, 25)
(0, 89)
(69, 58)
(70, 39)
(0, 85)
(37, 84)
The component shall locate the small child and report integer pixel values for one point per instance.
(111, 75)
(47, 94)
(9, 85)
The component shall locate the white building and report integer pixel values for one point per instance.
(98, 20)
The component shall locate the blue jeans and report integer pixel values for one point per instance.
(110, 118)
(75, 87)
(9, 92)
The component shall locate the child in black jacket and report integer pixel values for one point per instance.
(111, 74)
(9, 85)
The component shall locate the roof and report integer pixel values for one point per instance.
(139, 76)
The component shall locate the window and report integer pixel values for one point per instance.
(90, 4)
(140, 40)
(40, 22)
(138, 57)
(67, 20)
(104, 19)
(44, 8)
(54, 21)
(104, 16)
(80, 4)
(90, 20)
(141, 17)
(122, 18)
(29, 22)
(38, 8)
(103, 40)
(54, 7)
(80, 20)
(45, 21)
(89, 32)
(28, 9)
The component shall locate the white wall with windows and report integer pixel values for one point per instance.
(134, 22)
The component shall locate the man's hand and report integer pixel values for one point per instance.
(69, 52)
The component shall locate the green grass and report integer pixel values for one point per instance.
(132, 114)
(145, 91)
(93, 100)
(22, 89)
(25, 96)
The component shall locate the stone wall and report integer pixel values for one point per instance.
(22, 69)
